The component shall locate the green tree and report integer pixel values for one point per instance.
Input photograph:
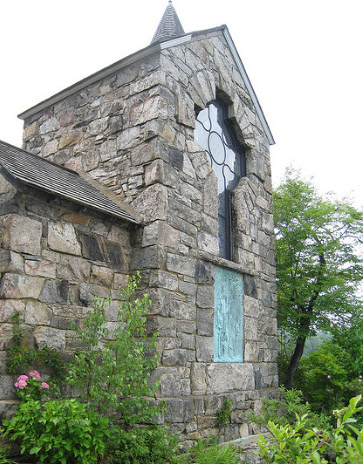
(349, 339)
(113, 368)
(318, 263)
(324, 378)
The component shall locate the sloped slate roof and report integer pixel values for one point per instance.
(50, 177)
(169, 27)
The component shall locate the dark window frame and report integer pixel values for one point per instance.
(229, 140)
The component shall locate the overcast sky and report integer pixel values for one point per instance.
(303, 57)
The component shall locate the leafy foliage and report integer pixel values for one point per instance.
(20, 356)
(209, 452)
(297, 443)
(324, 377)
(318, 262)
(30, 386)
(224, 413)
(113, 368)
(112, 371)
(147, 445)
(327, 378)
(283, 410)
(349, 339)
(3, 452)
(114, 422)
(59, 431)
(291, 443)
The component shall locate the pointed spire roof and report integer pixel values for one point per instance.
(169, 27)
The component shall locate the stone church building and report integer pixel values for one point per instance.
(158, 163)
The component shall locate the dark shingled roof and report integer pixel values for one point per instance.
(45, 175)
(169, 27)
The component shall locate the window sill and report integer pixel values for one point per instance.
(225, 263)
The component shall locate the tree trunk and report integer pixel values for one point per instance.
(294, 362)
(304, 327)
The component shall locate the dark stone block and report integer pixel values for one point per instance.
(84, 296)
(63, 290)
(91, 248)
(231, 432)
(205, 319)
(203, 272)
(4, 260)
(8, 207)
(115, 124)
(176, 158)
(61, 323)
(250, 288)
(115, 256)
(55, 291)
(176, 357)
(178, 410)
(258, 379)
(267, 299)
(151, 326)
(40, 207)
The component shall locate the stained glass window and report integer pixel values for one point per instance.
(227, 159)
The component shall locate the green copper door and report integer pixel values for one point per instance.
(228, 316)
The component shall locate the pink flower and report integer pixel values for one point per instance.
(22, 378)
(359, 380)
(34, 374)
(328, 376)
(44, 386)
(16, 384)
(22, 384)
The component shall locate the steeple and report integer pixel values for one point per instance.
(169, 27)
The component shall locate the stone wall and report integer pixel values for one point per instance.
(54, 258)
(134, 132)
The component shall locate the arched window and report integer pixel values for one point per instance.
(215, 134)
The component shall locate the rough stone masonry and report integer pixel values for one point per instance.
(130, 128)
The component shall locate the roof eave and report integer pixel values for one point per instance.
(22, 174)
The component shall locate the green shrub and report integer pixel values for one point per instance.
(146, 445)
(60, 431)
(114, 419)
(224, 412)
(291, 444)
(112, 369)
(3, 452)
(330, 375)
(324, 378)
(20, 356)
(283, 410)
(297, 443)
(30, 386)
(209, 452)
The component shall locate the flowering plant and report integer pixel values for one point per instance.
(30, 386)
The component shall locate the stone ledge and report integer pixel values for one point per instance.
(248, 440)
(9, 402)
(225, 263)
(247, 447)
